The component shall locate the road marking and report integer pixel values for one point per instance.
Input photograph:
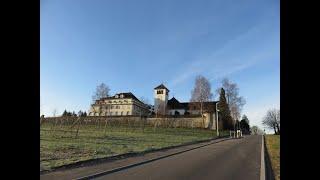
(262, 167)
(92, 176)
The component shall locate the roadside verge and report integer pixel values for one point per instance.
(95, 168)
(269, 174)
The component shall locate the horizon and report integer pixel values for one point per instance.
(136, 46)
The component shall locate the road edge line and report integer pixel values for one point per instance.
(96, 161)
(144, 162)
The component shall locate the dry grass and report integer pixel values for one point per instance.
(62, 147)
(273, 147)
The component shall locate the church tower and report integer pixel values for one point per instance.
(161, 94)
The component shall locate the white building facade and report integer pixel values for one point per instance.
(121, 104)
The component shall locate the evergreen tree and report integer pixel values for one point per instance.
(65, 113)
(85, 114)
(80, 114)
(224, 111)
(244, 125)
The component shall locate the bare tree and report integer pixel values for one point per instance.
(40, 107)
(201, 92)
(234, 101)
(272, 120)
(102, 91)
(161, 108)
(54, 112)
(255, 130)
(278, 121)
(145, 100)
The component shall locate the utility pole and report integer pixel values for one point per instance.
(217, 119)
(234, 128)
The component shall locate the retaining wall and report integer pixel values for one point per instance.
(186, 121)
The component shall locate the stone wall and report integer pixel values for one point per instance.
(186, 121)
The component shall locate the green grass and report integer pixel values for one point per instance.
(61, 147)
(273, 147)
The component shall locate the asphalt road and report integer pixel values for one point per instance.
(232, 159)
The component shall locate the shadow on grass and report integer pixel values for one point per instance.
(269, 172)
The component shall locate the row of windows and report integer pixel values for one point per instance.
(134, 107)
(113, 106)
(122, 113)
(121, 96)
(116, 113)
(124, 101)
(110, 102)
(161, 92)
(117, 107)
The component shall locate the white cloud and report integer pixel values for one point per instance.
(227, 59)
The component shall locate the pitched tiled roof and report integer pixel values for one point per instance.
(161, 86)
(125, 95)
(173, 103)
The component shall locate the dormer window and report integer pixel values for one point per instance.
(159, 91)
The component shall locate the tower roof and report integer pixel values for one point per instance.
(161, 86)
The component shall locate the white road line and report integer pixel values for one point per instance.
(99, 174)
(262, 167)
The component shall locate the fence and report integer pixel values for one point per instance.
(193, 121)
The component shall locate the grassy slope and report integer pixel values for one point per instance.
(60, 148)
(273, 147)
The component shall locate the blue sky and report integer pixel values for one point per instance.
(136, 45)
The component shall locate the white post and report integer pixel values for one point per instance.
(217, 119)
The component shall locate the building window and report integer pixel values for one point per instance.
(121, 95)
(121, 113)
(116, 113)
(160, 92)
(127, 112)
(116, 96)
(110, 113)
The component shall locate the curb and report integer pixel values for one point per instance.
(121, 156)
(144, 162)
